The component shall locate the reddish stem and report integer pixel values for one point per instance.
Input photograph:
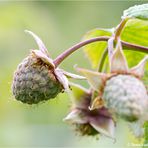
(69, 51)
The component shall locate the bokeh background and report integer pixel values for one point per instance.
(60, 25)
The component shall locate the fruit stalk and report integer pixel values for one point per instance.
(116, 35)
(72, 49)
(120, 28)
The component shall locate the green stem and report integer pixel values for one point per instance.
(72, 49)
(102, 60)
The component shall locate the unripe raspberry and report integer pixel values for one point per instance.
(35, 81)
(126, 96)
(122, 91)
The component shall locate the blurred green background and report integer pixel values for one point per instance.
(60, 25)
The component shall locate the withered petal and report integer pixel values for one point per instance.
(39, 42)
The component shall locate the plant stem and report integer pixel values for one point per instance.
(116, 35)
(69, 51)
(102, 59)
(125, 44)
(120, 28)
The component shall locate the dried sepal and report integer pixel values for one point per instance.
(110, 49)
(76, 116)
(39, 42)
(62, 79)
(43, 57)
(118, 60)
(97, 103)
(95, 79)
(139, 69)
(74, 76)
(79, 96)
(104, 125)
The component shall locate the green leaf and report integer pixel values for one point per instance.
(94, 50)
(145, 133)
(136, 32)
(137, 11)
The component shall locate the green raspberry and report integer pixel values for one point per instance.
(126, 96)
(34, 81)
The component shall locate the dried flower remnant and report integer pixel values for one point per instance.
(89, 122)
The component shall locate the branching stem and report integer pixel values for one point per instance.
(115, 36)
(72, 49)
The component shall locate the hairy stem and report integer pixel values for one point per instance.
(72, 49)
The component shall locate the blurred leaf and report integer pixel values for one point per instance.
(136, 31)
(137, 11)
(145, 133)
(94, 50)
